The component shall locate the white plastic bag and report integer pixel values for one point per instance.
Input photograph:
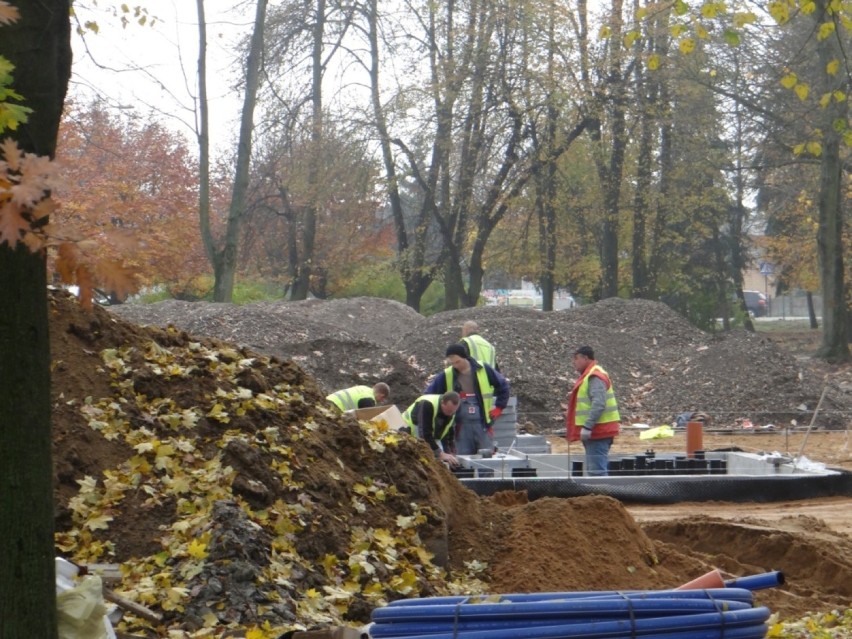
(80, 605)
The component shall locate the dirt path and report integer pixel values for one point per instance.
(792, 516)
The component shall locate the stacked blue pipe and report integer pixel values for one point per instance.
(717, 613)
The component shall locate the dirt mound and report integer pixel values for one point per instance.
(816, 561)
(660, 364)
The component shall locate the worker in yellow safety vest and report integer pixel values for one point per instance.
(432, 417)
(484, 394)
(477, 346)
(360, 396)
(593, 416)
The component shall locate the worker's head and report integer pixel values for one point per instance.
(469, 328)
(450, 402)
(457, 357)
(381, 392)
(582, 357)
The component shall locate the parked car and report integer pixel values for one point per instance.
(756, 303)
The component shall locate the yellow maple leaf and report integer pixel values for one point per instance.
(197, 549)
(654, 62)
(98, 523)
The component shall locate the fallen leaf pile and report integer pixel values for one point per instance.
(248, 471)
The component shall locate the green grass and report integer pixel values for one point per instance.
(784, 326)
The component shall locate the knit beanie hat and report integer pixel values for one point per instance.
(456, 349)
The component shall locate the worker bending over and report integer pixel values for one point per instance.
(360, 396)
(431, 418)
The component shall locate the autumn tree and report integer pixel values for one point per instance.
(822, 28)
(37, 48)
(134, 182)
(349, 224)
(300, 131)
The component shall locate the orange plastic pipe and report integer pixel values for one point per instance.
(694, 438)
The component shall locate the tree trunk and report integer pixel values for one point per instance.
(814, 324)
(39, 45)
(203, 136)
(610, 162)
(835, 344)
(223, 289)
(414, 272)
(302, 285)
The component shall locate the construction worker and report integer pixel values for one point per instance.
(593, 416)
(477, 346)
(360, 396)
(432, 417)
(484, 394)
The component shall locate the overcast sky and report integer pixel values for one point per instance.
(152, 68)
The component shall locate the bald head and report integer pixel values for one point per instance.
(469, 328)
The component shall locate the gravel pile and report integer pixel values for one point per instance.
(660, 364)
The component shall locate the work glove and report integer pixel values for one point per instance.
(585, 434)
(490, 431)
(496, 412)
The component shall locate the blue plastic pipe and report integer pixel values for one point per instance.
(720, 613)
(758, 582)
(750, 623)
(710, 593)
(597, 607)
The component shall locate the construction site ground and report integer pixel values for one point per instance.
(832, 448)
(193, 446)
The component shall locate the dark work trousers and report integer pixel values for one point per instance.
(471, 435)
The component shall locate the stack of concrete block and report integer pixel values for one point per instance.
(506, 426)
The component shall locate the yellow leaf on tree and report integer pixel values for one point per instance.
(780, 11)
(825, 100)
(832, 67)
(814, 148)
(839, 96)
(687, 45)
(604, 32)
(802, 90)
(701, 32)
(709, 10)
(789, 81)
(654, 62)
(825, 30)
(742, 18)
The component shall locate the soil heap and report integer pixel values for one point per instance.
(660, 364)
(235, 497)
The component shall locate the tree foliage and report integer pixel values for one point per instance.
(130, 188)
